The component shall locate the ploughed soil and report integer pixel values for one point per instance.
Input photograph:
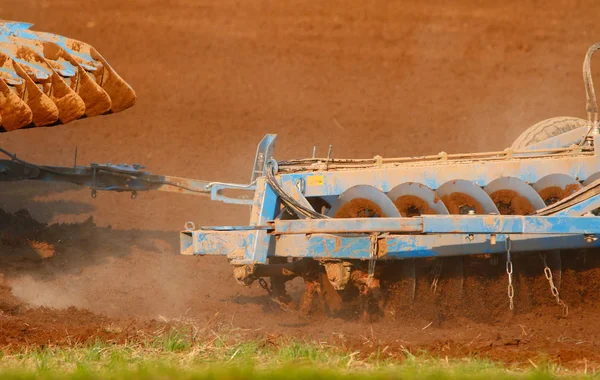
(394, 79)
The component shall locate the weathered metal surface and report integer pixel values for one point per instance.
(239, 244)
(296, 193)
(425, 236)
(433, 175)
(581, 208)
(47, 79)
(368, 192)
(233, 244)
(265, 207)
(510, 224)
(264, 153)
(444, 224)
(350, 225)
(564, 140)
(121, 178)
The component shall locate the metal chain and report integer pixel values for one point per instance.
(509, 271)
(372, 258)
(553, 289)
(436, 272)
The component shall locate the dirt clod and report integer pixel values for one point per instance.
(461, 203)
(553, 194)
(411, 205)
(509, 202)
(359, 208)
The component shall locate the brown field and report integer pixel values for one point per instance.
(370, 77)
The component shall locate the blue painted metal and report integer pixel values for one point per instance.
(22, 30)
(296, 193)
(216, 195)
(264, 153)
(265, 207)
(582, 208)
(444, 224)
(331, 246)
(435, 174)
(424, 236)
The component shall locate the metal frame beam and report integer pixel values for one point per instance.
(238, 245)
(444, 224)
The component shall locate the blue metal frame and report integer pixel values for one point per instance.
(402, 238)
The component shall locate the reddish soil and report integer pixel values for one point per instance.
(509, 202)
(405, 78)
(460, 203)
(554, 194)
(359, 208)
(411, 205)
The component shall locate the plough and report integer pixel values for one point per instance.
(338, 223)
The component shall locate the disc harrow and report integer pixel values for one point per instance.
(352, 229)
(46, 79)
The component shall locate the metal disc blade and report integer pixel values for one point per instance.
(369, 193)
(592, 178)
(417, 191)
(461, 186)
(518, 186)
(554, 187)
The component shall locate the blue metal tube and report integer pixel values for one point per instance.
(329, 246)
(444, 224)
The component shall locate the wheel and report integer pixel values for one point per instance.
(546, 129)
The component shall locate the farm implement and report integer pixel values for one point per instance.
(346, 225)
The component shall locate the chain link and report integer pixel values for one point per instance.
(436, 271)
(373, 247)
(509, 272)
(553, 289)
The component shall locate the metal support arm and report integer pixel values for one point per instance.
(120, 178)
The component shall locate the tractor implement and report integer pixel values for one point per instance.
(342, 225)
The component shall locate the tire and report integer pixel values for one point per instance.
(546, 129)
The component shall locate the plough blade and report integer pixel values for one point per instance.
(47, 79)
